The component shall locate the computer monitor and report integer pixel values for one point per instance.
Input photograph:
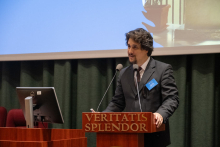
(45, 104)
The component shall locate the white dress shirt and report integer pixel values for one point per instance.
(143, 66)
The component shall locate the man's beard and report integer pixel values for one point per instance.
(134, 62)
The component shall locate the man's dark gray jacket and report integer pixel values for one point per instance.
(163, 98)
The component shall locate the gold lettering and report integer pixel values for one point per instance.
(111, 117)
(139, 117)
(143, 127)
(88, 127)
(103, 117)
(117, 116)
(89, 119)
(116, 127)
(145, 118)
(107, 127)
(132, 116)
(124, 117)
(94, 126)
(137, 127)
(123, 127)
(97, 117)
(100, 129)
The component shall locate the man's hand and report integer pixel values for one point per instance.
(158, 119)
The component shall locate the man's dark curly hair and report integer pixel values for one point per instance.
(143, 37)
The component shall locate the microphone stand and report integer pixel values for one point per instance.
(138, 91)
(106, 90)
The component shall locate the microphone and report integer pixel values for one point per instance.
(135, 67)
(118, 68)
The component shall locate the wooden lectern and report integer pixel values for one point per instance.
(120, 129)
(38, 137)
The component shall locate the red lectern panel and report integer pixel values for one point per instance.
(121, 129)
(37, 137)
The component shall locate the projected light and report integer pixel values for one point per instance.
(41, 30)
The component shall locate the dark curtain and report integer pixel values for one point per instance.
(80, 85)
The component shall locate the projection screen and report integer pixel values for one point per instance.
(71, 29)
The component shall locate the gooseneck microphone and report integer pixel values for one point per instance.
(118, 68)
(135, 67)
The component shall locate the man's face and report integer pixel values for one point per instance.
(135, 53)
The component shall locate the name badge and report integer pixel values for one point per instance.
(151, 84)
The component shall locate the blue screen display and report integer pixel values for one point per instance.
(62, 26)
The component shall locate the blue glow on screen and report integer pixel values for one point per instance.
(71, 25)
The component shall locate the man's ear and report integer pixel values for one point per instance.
(146, 52)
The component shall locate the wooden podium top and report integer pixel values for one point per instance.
(120, 122)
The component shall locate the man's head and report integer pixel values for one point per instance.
(140, 45)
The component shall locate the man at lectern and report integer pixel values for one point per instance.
(157, 88)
